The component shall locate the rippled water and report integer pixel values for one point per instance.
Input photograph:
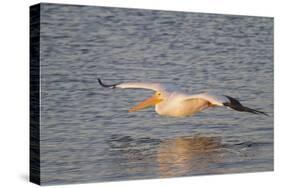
(87, 134)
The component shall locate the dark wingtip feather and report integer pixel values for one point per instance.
(105, 85)
(236, 105)
(99, 80)
(255, 111)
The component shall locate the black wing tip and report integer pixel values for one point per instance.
(253, 111)
(236, 105)
(264, 113)
(100, 82)
(105, 85)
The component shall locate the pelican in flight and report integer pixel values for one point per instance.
(169, 100)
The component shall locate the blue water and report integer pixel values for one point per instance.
(87, 134)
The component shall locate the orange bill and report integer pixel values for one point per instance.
(148, 102)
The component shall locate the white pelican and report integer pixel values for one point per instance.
(169, 100)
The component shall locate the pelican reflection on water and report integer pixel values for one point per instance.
(179, 156)
(188, 155)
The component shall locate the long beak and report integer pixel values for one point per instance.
(146, 103)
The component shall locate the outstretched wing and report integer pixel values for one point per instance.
(236, 105)
(139, 85)
(224, 100)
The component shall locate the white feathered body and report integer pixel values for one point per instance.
(180, 104)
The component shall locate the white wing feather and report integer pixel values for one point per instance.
(214, 99)
(151, 86)
(141, 85)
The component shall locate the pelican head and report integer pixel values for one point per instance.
(155, 99)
